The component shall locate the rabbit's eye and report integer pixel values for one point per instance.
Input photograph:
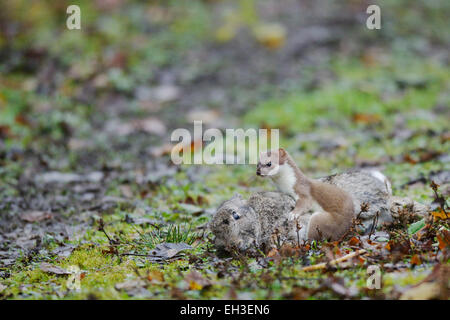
(269, 164)
(236, 216)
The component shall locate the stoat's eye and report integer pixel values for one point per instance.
(269, 164)
(236, 216)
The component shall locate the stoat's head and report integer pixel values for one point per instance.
(270, 161)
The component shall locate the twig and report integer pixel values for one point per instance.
(101, 228)
(355, 221)
(374, 224)
(335, 261)
(438, 198)
(299, 227)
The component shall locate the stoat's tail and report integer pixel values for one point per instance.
(377, 174)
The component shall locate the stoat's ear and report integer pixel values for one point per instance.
(281, 152)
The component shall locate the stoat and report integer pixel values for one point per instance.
(337, 209)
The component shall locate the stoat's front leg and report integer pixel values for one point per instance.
(301, 207)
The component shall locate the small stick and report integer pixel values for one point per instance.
(299, 227)
(374, 224)
(102, 229)
(335, 261)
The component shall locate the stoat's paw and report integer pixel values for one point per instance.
(293, 216)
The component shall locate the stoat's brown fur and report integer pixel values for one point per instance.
(337, 212)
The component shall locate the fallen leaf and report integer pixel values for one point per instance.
(421, 155)
(440, 214)
(155, 275)
(66, 178)
(186, 147)
(272, 253)
(35, 216)
(445, 137)
(415, 260)
(166, 93)
(409, 159)
(225, 33)
(162, 150)
(168, 250)
(206, 116)
(354, 241)
(194, 286)
(150, 125)
(47, 267)
(64, 251)
(130, 284)
(196, 281)
(4, 131)
(7, 262)
(126, 191)
(343, 291)
(58, 177)
(429, 155)
(443, 242)
(22, 120)
(191, 209)
(200, 200)
(271, 35)
(365, 118)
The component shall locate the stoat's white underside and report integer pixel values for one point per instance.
(285, 180)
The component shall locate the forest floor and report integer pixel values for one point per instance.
(86, 179)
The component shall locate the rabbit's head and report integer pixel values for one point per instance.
(236, 225)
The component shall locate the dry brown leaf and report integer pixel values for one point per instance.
(444, 241)
(354, 241)
(272, 36)
(445, 137)
(272, 253)
(150, 125)
(366, 118)
(155, 275)
(409, 159)
(126, 191)
(4, 131)
(196, 281)
(47, 267)
(206, 116)
(415, 260)
(163, 150)
(440, 214)
(130, 284)
(35, 216)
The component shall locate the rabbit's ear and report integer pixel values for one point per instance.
(237, 196)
